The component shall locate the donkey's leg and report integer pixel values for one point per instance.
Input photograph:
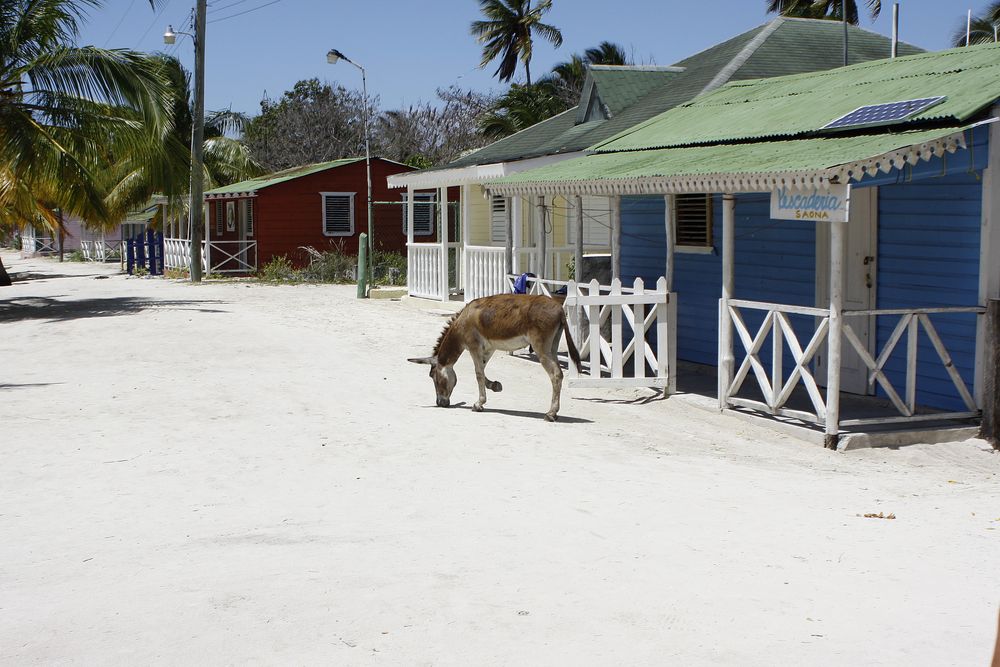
(547, 351)
(477, 361)
(490, 384)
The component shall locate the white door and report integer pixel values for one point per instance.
(859, 286)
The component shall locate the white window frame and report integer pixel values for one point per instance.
(323, 198)
(426, 198)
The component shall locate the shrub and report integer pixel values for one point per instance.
(76, 256)
(332, 266)
(389, 268)
(279, 270)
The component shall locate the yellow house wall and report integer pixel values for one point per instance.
(479, 216)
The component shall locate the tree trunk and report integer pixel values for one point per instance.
(990, 430)
(527, 72)
(4, 278)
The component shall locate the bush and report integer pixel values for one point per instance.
(389, 268)
(76, 256)
(332, 266)
(279, 270)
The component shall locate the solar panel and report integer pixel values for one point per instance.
(882, 114)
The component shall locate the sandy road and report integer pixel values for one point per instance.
(233, 473)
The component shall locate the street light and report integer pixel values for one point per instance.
(197, 135)
(332, 56)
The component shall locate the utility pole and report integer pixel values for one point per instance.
(197, 143)
(843, 14)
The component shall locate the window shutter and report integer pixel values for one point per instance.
(249, 216)
(423, 214)
(218, 217)
(498, 219)
(693, 217)
(338, 215)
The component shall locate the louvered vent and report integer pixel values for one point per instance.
(693, 216)
(498, 220)
(338, 218)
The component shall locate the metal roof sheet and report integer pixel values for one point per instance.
(781, 46)
(266, 181)
(853, 156)
(799, 105)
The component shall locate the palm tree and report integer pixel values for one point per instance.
(607, 53)
(225, 160)
(507, 31)
(983, 29)
(520, 108)
(66, 112)
(570, 75)
(823, 9)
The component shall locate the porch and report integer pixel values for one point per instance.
(217, 257)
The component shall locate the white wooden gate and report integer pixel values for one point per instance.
(484, 271)
(615, 356)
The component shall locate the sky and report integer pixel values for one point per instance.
(410, 48)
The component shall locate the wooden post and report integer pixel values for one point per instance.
(542, 239)
(578, 250)
(410, 259)
(991, 380)
(517, 233)
(835, 337)
(668, 221)
(464, 214)
(508, 258)
(443, 206)
(616, 237)
(726, 354)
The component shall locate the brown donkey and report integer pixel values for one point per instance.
(503, 322)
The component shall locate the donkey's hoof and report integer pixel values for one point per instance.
(496, 386)
(477, 407)
(551, 416)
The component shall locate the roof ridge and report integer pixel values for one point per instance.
(636, 68)
(733, 66)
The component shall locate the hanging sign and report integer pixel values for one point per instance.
(817, 205)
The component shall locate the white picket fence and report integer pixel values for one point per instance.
(483, 268)
(101, 250)
(423, 271)
(777, 390)
(222, 257)
(625, 357)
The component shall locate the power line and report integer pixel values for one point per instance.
(119, 24)
(232, 4)
(232, 16)
(152, 23)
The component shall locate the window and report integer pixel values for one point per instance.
(246, 215)
(338, 213)
(230, 216)
(596, 221)
(424, 212)
(499, 207)
(693, 220)
(218, 217)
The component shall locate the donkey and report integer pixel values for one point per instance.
(502, 322)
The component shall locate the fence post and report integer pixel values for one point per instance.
(990, 430)
(129, 255)
(362, 265)
(160, 261)
(140, 250)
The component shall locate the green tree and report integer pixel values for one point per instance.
(225, 160)
(507, 31)
(520, 108)
(823, 9)
(983, 29)
(66, 112)
(570, 75)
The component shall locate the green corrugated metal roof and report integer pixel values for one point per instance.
(266, 181)
(622, 86)
(772, 157)
(781, 46)
(799, 105)
(142, 216)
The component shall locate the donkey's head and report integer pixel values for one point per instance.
(444, 379)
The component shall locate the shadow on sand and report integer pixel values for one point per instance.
(54, 309)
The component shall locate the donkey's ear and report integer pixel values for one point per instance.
(430, 361)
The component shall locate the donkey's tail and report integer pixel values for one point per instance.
(573, 353)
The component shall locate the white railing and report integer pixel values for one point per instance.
(423, 270)
(556, 261)
(101, 250)
(617, 357)
(223, 257)
(31, 245)
(777, 390)
(483, 270)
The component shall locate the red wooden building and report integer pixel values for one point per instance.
(320, 205)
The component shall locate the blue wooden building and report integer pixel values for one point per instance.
(887, 303)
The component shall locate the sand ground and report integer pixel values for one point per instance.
(248, 474)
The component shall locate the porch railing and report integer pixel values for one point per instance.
(423, 267)
(101, 250)
(776, 389)
(483, 269)
(616, 355)
(221, 257)
(37, 244)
